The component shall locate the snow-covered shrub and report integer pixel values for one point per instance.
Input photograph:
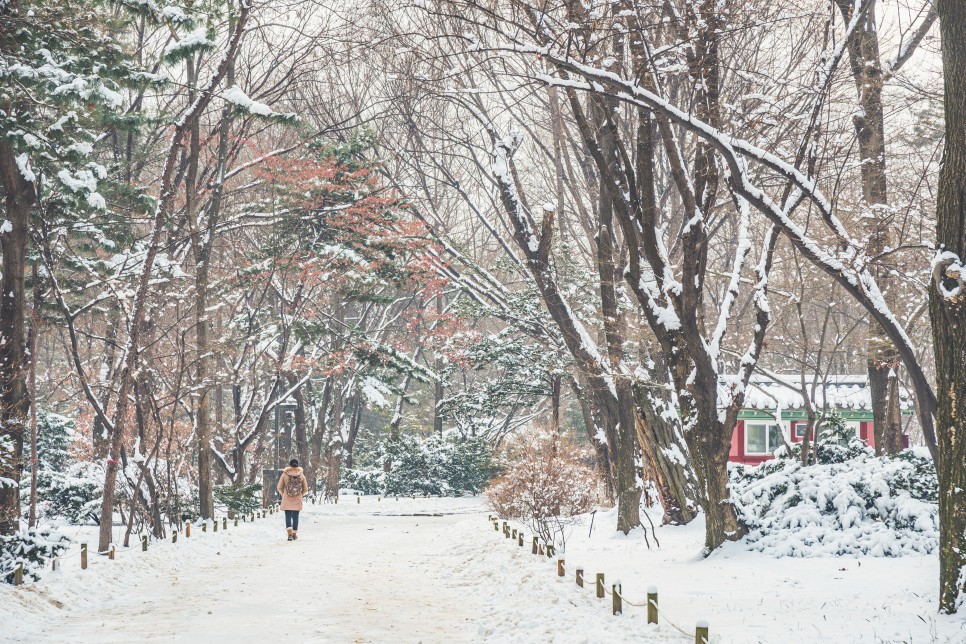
(450, 466)
(73, 492)
(239, 499)
(35, 548)
(545, 478)
(870, 505)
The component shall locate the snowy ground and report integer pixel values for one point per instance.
(386, 572)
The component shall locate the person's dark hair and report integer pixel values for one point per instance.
(293, 463)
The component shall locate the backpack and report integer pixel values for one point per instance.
(293, 486)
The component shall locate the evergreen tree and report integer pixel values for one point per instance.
(61, 73)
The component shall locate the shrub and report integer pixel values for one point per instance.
(449, 466)
(34, 548)
(878, 506)
(239, 499)
(546, 479)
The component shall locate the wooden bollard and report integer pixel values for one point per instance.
(110, 552)
(535, 541)
(18, 574)
(550, 550)
(701, 632)
(253, 517)
(215, 525)
(496, 526)
(615, 591)
(236, 522)
(174, 537)
(506, 529)
(224, 523)
(83, 556)
(187, 529)
(204, 525)
(652, 605)
(600, 585)
(55, 563)
(144, 543)
(560, 567)
(514, 535)
(580, 577)
(244, 518)
(358, 500)
(520, 539)
(540, 549)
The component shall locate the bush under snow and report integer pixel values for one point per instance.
(878, 506)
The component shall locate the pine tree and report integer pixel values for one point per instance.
(60, 74)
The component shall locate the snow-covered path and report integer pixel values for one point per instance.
(384, 571)
(367, 577)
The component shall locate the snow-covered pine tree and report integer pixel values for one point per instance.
(60, 74)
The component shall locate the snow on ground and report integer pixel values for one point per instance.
(434, 570)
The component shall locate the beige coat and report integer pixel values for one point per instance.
(292, 502)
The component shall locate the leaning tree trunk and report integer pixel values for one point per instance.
(19, 196)
(947, 307)
(668, 466)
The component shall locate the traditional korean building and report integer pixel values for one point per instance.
(775, 413)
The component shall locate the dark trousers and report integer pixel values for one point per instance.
(292, 519)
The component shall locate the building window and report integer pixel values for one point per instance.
(762, 438)
(800, 428)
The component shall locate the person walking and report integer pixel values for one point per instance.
(292, 485)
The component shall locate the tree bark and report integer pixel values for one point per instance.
(19, 198)
(947, 307)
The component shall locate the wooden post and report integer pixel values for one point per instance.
(83, 556)
(701, 632)
(580, 577)
(652, 605)
(560, 567)
(215, 522)
(18, 574)
(204, 525)
(506, 529)
(618, 603)
(144, 543)
(224, 523)
(174, 537)
(187, 529)
(600, 585)
(535, 540)
(358, 500)
(244, 518)
(110, 552)
(520, 539)
(55, 563)
(550, 550)
(540, 550)
(236, 522)
(496, 526)
(514, 535)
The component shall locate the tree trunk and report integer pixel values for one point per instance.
(333, 448)
(668, 467)
(34, 460)
(301, 435)
(882, 358)
(947, 305)
(203, 411)
(19, 197)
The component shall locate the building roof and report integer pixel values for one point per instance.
(835, 392)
